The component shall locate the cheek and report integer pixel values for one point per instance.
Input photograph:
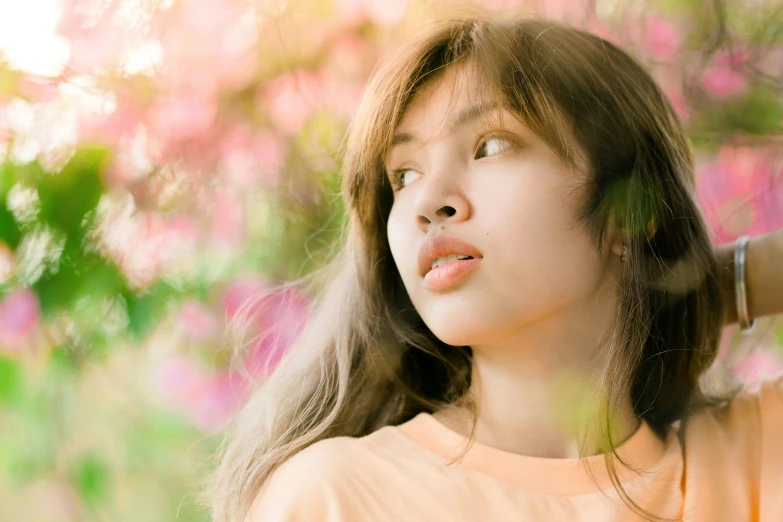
(397, 238)
(539, 247)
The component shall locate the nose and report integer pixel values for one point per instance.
(441, 199)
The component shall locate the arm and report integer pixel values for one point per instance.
(764, 277)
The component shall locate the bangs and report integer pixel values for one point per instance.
(489, 75)
(526, 70)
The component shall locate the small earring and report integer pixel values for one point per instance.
(625, 252)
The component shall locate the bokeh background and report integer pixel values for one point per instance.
(163, 160)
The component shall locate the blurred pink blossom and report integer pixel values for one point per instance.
(771, 61)
(249, 156)
(19, 315)
(722, 82)
(566, 10)
(228, 219)
(735, 58)
(96, 40)
(145, 246)
(237, 295)
(176, 378)
(680, 104)
(669, 78)
(215, 399)
(344, 97)
(760, 363)
(38, 91)
(277, 318)
(5, 131)
(207, 399)
(740, 192)
(197, 321)
(111, 128)
(181, 116)
(600, 28)
(208, 44)
(385, 13)
(657, 37)
(292, 97)
(350, 57)
(282, 318)
(97, 49)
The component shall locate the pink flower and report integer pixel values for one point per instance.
(385, 13)
(96, 44)
(19, 315)
(721, 82)
(658, 37)
(351, 57)
(237, 295)
(208, 400)
(278, 318)
(567, 10)
(180, 117)
(176, 378)
(740, 193)
(282, 319)
(197, 321)
(601, 29)
(145, 246)
(38, 91)
(216, 399)
(111, 128)
(207, 43)
(5, 131)
(291, 98)
(669, 78)
(760, 363)
(771, 61)
(249, 156)
(228, 220)
(734, 58)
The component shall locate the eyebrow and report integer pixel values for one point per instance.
(464, 117)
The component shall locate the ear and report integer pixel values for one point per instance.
(615, 235)
(617, 246)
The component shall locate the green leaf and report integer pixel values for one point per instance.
(148, 309)
(9, 228)
(67, 197)
(10, 380)
(80, 277)
(90, 477)
(760, 112)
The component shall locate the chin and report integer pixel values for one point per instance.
(454, 337)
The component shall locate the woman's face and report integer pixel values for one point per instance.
(504, 191)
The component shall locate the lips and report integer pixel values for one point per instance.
(443, 245)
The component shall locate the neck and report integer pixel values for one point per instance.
(537, 393)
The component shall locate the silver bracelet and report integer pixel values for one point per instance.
(747, 324)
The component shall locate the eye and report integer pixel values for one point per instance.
(494, 145)
(398, 176)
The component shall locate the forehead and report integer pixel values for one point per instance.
(443, 96)
(445, 103)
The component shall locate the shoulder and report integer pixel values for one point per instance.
(756, 403)
(747, 425)
(319, 482)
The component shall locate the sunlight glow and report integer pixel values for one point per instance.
(27, 36)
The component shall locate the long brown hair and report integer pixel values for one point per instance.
(367, 360)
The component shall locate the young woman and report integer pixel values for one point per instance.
(518, 322)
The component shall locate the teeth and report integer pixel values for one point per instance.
(447, 259)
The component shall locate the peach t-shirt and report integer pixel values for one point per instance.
(731, 470)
